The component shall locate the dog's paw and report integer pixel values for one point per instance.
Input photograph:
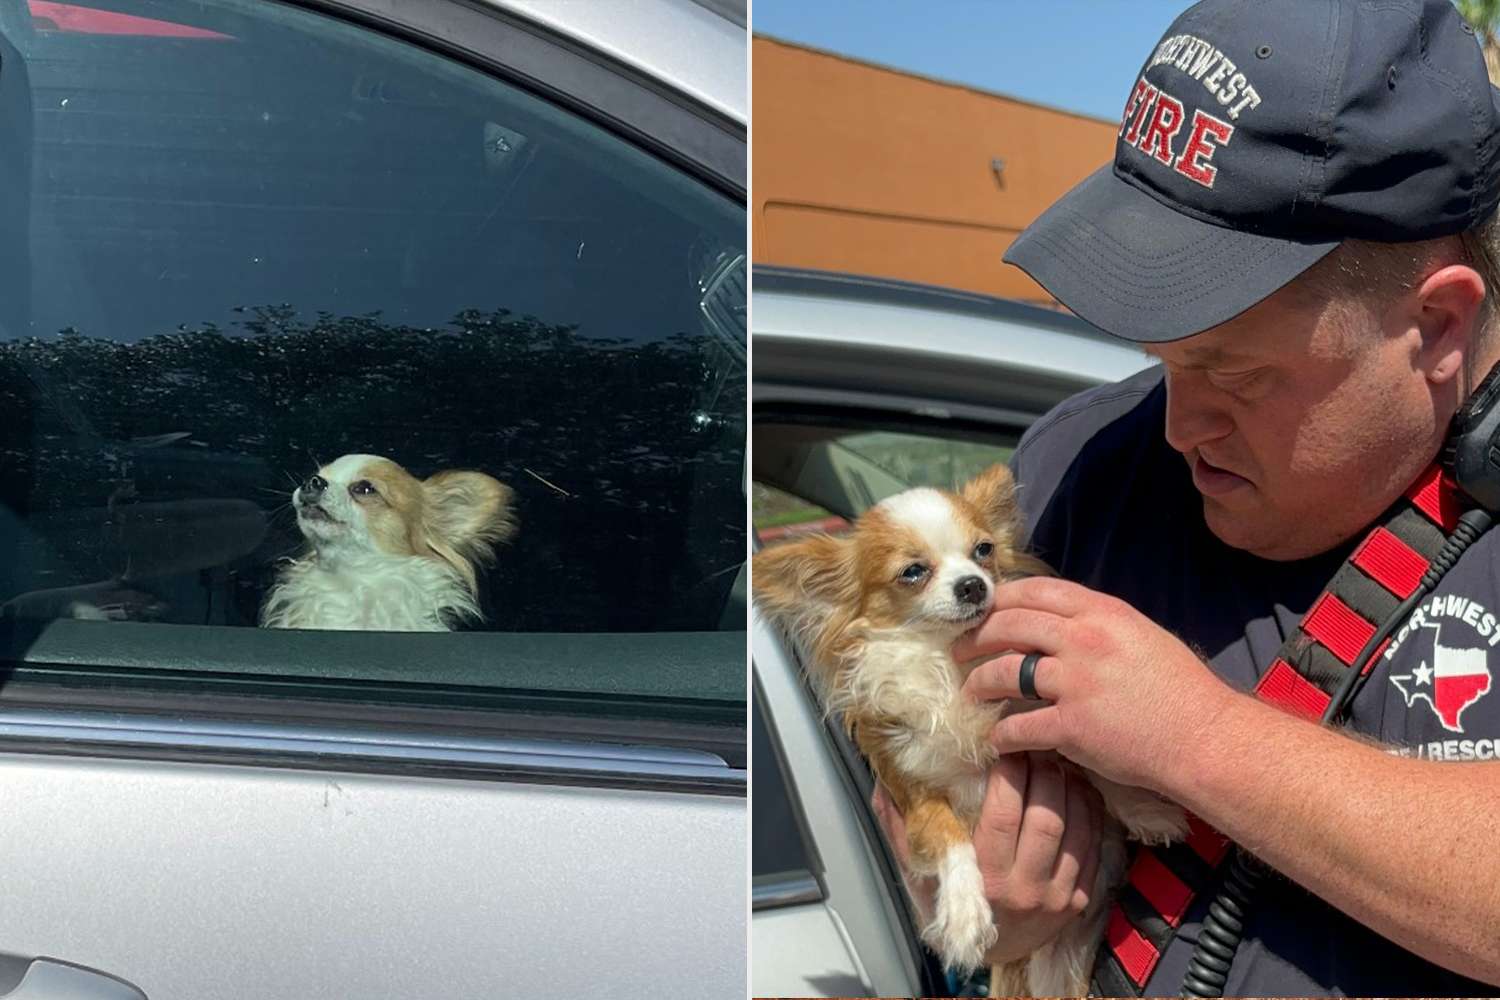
(1156, 822)
(1146, 816)
(962, 927)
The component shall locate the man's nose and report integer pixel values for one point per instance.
(312, 490)
(1196, 414)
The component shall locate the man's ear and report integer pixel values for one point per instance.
(465, 516)
(1448, 306)
(798, 585)
(993, 492)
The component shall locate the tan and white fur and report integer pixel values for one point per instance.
(388, 551)
(876, 613)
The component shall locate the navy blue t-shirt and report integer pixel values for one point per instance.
(1110, 505)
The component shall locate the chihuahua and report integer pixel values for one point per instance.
(388, 551)
(876, 613)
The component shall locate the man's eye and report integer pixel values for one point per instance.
(984, 550)
(1235, 381)
(913, 573)
(363, 488)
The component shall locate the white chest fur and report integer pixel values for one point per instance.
(943, 737)
(376, 592)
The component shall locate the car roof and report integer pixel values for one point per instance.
(697, 47)
(794, 308)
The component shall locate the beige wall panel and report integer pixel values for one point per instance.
(861, 168)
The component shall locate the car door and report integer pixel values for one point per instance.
(239, 240)
(864, 388)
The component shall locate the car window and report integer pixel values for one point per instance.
(814, 477)
(784, 864)
(240, 242)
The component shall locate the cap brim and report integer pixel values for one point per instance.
(1136, 269)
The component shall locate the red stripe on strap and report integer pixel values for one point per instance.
(1166, 892)
(1338, 627)
(1208, 843)
(1285, 688)
(1435, 495)
(1390, 562)
(1137, 956)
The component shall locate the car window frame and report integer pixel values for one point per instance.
(795, 887)
(666, 123)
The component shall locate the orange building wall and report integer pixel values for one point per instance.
(864, 169)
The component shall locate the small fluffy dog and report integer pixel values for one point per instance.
(876, 613)
(389, 552)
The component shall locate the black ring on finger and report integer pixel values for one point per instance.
(1026, 681)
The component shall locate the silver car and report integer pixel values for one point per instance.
(864, 387)
(241, 238)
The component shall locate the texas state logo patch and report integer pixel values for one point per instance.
(1450, 638)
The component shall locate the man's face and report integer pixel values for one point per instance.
(1301, 420)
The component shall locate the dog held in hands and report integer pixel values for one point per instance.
(388, 551)
(876, 613)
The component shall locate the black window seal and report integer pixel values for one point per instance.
(233, 682)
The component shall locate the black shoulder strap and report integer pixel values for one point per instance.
(1382, 571)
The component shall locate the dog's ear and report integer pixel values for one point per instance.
(466, 515)
(993, 492)
(798, 585)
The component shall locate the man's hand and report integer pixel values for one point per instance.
(1038, 847)
(1126, 695)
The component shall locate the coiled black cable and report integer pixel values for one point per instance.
(1224, 924)
(1223, 928)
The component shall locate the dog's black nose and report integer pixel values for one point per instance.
(970, 590)
(313, 489)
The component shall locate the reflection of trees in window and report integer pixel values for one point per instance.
(626, 455)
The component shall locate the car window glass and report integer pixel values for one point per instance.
(239, 241)
(779, 845)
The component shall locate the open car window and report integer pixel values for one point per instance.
(239, 241)
(819, 476)
(816, 470)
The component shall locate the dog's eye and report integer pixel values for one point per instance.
(984, 550)
(913, 573)
(363, 488)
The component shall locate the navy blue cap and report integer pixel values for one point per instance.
(1260, 135)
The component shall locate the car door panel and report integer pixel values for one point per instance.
(215, 882)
